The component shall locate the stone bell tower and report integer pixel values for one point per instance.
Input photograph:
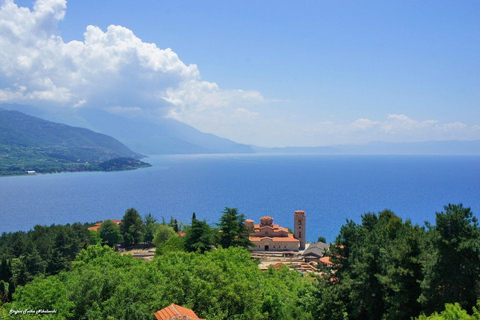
(299, 227)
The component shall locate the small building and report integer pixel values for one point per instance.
(176, 312)
(326, 261)
(31, 172)
(99, 224)
(315, 251)
(268, 236)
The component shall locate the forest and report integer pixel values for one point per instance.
(384, 268)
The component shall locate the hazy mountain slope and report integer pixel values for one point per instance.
(173, 137)
(163, 137)
(30, 143)
(167, 136)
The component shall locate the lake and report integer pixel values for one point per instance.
(330, 188)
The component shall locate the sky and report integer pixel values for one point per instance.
(269, 73)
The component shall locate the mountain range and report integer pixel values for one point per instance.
(165, 136)
(169, 136)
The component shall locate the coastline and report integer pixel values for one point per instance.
(85, 168)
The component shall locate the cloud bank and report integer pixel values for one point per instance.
(107, 69)
(398, 128)
(116, 71)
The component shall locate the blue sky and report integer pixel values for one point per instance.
(309, 73)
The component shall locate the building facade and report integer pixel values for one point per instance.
(268, 236)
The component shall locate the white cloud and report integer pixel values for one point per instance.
(394, 128)
(363, 124)
(107, 69)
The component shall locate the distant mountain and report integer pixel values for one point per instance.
(299, 150)
(30, 143)
(166, 136)
(453, 147)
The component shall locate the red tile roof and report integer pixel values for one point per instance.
(326, 260)
(275, 227)
(174, 312)
(99, 224)
(95, 227)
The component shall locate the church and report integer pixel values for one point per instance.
(268, 236)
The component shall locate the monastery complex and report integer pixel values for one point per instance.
(268, 236)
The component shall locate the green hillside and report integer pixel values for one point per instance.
(31, 144)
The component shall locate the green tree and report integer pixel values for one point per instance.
(150, 226)
(94, 237)
(453, 312)
(233, 231)
(198, 236)
(5, 270)
(43, 250)
(4, 291)
(452, 265)
(163, 233)
(62, 253)
(219, 284)
(174, 244)
(174, 224)
(377, 270)
(110, 233)
(132, 227)
(322, 239)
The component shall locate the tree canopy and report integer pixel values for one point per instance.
(199, 236)
(220, 284)
(132, 227)
(233, 231)
(383, 268)
(386, 268)
(109, 233)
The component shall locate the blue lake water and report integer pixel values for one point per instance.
(329, 188)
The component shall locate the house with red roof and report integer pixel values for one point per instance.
(176, 312)
(99, 224)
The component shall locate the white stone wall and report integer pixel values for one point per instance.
(275, 246)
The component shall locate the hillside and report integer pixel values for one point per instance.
(163, 136)
(29, 143)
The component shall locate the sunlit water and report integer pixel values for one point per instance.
(330, 189)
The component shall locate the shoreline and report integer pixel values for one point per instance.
(72, 171)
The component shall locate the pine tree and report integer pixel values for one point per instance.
(453, 263)
(199, 236)
(149, 228)
(110, 233)
(132, 227)
(233, 229)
